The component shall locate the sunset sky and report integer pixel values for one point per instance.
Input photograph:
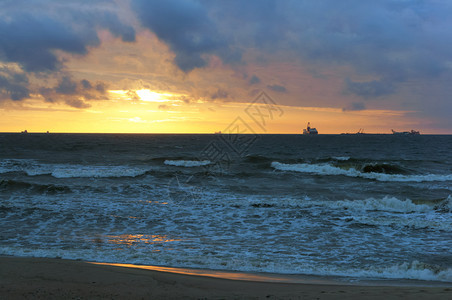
(186, 66)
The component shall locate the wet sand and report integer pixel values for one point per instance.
(41, 278)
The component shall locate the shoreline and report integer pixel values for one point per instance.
(283, 278)
(49, 278)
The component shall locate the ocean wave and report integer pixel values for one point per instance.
(386, 211)
(34, 168)
(414, 270)
(383, 169)
(390, 211)
(388, 204)
(341, 158)
(95, 171)
(328, 169)
(13, 185)
(187, 163)
(409, 270)
(430, 221)
(15, 165)
(445, 206)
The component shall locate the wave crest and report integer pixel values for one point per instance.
(414, 270)
(34, 168)
(390, 204)
(328, 169)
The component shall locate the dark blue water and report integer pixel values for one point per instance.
(363, 206)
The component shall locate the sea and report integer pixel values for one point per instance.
(354, 207)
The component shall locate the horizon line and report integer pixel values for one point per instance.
(199, 133)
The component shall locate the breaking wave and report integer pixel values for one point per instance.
(388, 204)
(341, 158)
(376, 172)
(390, 211)
(414, 270)
(16, 165)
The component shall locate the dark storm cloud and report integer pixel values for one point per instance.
(392, 41)
(13, 85)
(30, 36)
(370, 89)
(30, 41)
(277, 88)
(111, 22)
(77, 103)
(263, 24)
(219, 94)
(186, 27)
(101, 87)
(74, 93)
(89, 18)
(31, 33)
(388, 39)
(367, 34)
(68, 87)
(254, 80)
(86, 84)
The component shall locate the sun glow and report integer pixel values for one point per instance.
(146, 111)
(123, 114)
(144, 95)
(150, 96)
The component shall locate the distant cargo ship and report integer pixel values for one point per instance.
(360, 132)
(412, 132)
(310, 130)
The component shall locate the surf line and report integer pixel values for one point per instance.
(229, 275)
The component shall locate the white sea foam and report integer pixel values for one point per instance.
(15, 165)
(342, 158)
(328, 169)
(431, 221)
(187, 163)
(389, 204)
(249, 223)
(413, 270)
(390, 211)
(409, 270)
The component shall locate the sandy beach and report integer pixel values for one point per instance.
(42, 278)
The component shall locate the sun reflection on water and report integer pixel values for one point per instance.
(134, 239)
(154, 202)
(259, 277)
